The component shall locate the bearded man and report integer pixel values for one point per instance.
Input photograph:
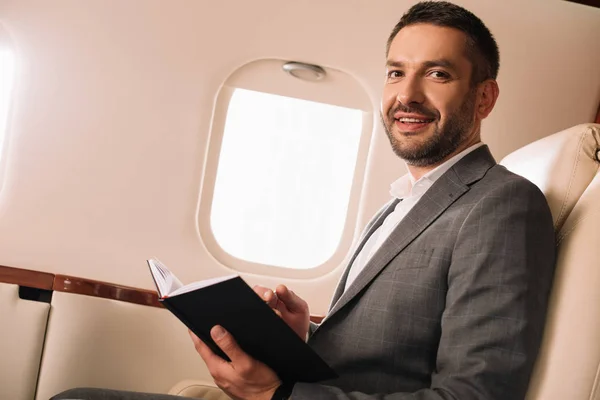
(445, 296)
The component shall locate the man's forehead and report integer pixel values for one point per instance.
(424, 42)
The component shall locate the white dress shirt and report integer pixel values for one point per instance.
(409, 192)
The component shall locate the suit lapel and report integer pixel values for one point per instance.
(445, 191)
(385, 211)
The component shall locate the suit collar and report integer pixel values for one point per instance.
(445, 191)
(474, 165)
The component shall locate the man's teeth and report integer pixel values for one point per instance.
(414, 120)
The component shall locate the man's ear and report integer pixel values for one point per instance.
(487, 94)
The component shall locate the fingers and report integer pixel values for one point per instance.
(223, 339)
(260, 290)
(290, 299)
(281, 296)
(267, 295)
(225, 374)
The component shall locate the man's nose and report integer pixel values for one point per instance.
(410, 91)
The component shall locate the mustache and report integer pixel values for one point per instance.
(415, 109)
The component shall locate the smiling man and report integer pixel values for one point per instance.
(445, 296)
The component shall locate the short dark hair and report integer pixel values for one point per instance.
(482, 49)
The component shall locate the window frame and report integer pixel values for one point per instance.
(204, 210)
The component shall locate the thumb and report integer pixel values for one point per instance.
(227, 343)
(290, 299)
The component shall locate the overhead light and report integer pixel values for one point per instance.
(306, 72)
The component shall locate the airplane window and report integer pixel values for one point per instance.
(6, 80)
(284, 177)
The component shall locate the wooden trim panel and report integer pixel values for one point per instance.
(88, 287)
(25, 277)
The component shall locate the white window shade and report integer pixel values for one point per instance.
(284, 179)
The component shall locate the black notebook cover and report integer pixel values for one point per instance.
(257, 329)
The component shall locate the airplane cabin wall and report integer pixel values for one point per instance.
(112, 108)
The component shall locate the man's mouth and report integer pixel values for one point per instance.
(412, 124)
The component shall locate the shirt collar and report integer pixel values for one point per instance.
(407, 186)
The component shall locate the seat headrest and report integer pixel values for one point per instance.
(562, 165)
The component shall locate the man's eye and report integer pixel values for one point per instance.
(394, 74)
(440, 74)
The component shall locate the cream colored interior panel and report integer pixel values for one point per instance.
(570, 356)
(110, 344)
(22, 329)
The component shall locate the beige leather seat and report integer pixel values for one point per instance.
(566, 168)
(198, 390)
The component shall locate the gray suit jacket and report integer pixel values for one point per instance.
(452, 306)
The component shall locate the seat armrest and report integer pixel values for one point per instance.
(198, 390)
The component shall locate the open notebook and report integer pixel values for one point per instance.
(228, 301)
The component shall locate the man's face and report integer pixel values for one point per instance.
(428, 104)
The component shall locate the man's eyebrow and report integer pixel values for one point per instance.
(426, 64)
(439, 63)
(397, 64)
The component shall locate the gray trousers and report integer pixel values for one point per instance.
(107, 394)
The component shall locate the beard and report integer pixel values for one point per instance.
(445, 140)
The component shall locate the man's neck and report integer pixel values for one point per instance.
(417, 172)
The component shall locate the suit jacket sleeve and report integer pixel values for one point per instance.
(499, 282)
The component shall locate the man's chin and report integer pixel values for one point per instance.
(414, 139)
(416, 150)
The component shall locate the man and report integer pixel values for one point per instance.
(446, 294)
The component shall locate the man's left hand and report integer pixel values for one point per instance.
(244, 378)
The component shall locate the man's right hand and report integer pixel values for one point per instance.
(291, 308)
